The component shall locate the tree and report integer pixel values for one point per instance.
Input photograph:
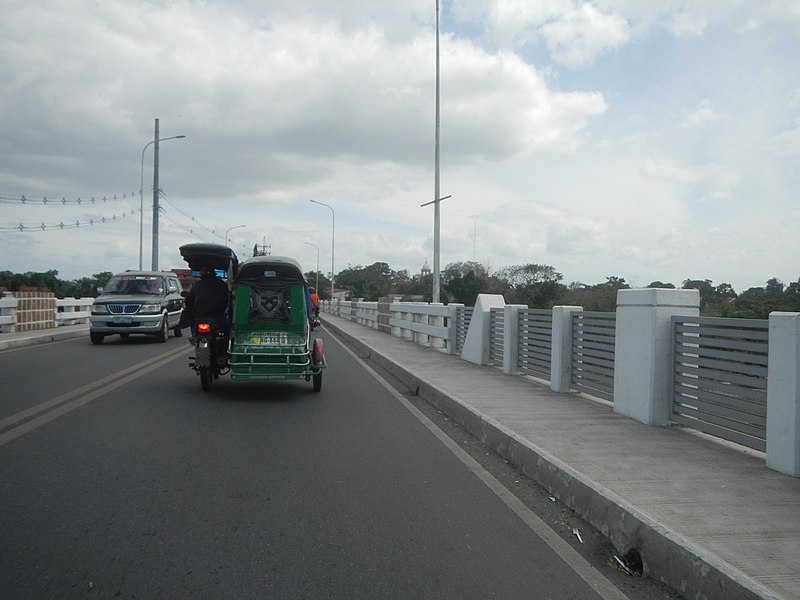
(463, 281)
(601, 297)
(324, 289)
(774, 286)
(537, 286)
(714, 300)
(369, 283)
(661, 285)
(725, 290)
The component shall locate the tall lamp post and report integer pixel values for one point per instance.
(436, 217)
(316, 287)
(333, 234)
(231, 229)
(141, 186)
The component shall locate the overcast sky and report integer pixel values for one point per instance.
(649, 140)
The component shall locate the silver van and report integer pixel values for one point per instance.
(148, 302)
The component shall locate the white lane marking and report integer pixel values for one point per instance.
(596, 580)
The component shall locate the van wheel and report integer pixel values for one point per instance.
(163, 333)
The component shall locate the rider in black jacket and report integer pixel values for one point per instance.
(208, 299)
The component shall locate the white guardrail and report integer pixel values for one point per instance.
(432, 325)
(32, 311)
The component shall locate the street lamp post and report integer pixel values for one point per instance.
(231, 229)
(155, 141)
(436, 199)
(333, 234)
(316, 287)
(141, 186)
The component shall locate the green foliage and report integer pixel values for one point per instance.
(463, 281)
(661, 285)
(536, 286)
(601, 297)
(369, 283)
(79, 288)
(758, 302)
(324, 289)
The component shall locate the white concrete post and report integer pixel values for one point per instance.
(476, 345)
(394, 312)
(511, 338)
(783, 393)
(408, 332)
(436, 321)
(643, 356)
(561, 348)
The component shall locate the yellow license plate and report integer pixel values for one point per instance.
(269, 340)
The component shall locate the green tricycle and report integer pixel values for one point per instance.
(267, 331)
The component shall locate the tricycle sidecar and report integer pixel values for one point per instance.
(270, 327)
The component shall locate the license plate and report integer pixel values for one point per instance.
(123, 320)
(269, 340)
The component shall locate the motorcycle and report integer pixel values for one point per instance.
(268, 324)
(211, 354)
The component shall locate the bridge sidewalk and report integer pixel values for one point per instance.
(708, 518)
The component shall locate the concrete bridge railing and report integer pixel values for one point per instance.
(655, 360)
(33, 311)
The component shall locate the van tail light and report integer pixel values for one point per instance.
(204, 328)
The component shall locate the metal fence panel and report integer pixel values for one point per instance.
(720, 377)
(535, 342)
(593, 338)
(463, 318)
(496, 336)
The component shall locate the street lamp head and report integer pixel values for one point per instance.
(231, 229)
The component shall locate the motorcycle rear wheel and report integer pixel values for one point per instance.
(206, 378)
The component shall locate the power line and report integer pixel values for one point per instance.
(22, 227)
(24, 200)
(61, 224)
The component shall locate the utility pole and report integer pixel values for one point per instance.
(264, 249)
(154, 264)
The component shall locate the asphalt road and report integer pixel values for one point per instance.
(120, 478)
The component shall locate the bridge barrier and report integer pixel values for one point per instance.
(36, 311)
(654, 360)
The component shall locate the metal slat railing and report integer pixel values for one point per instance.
(593, 338)
(535, 342)
(496, 336)
(463, 318)
(720, 377)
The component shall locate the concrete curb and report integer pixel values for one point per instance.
(666, 556)
(13, 341)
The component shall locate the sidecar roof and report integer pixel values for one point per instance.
(216, 256)
(270, 270)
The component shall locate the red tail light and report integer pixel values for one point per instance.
(204, 328)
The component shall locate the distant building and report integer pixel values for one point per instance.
(426, 270)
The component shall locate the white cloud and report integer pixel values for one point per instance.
(716, 197)
(576, 33)
(282, 102)
(580, 35)
(702, 114)
(685, 23)
(783, 14)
